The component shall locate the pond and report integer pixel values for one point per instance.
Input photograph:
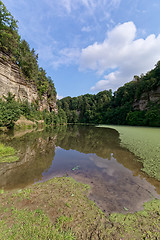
(88, 154)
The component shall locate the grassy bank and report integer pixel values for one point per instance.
(7, 154)
(143, 142)
(59, 209)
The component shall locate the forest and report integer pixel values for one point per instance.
(11, 110)
(20, 53)
(118, 107)
(105, 107)
(72, 181)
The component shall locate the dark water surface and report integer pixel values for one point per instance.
(88, 154)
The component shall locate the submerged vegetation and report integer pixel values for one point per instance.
(60, 209)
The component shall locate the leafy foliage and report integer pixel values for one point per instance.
(9, 38)
(52, 119)
(116, 108)
(85, 108)
(104, 107)
(11, 110)
(19, 52)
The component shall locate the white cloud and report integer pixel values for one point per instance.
(74, 4)
(59, 97)
(123, 52)
(91, 5)
(86, 29)
(67, 4)
(66, 57)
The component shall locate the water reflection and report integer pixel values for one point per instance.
(103, 142)
(36, 151)
(91, 155)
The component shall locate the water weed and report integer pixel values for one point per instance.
(144, 142)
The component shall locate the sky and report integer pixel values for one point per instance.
(87, 46)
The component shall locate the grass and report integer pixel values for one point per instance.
(141, 225)
(59, 209)
(7, 154)
(143, 142)
(26, 224)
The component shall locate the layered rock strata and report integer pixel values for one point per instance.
(12, 80)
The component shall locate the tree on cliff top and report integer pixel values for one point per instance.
(20, 52)
(9, 38)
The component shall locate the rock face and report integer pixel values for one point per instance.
(12, 80)
(149, 97)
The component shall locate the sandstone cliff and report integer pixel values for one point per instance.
(12, 80)
(146, 98)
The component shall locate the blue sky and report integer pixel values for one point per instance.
(87, 46)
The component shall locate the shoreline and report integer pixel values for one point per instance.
(144, 144)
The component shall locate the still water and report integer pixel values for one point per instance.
(88, 154)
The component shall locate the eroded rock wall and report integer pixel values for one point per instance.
(12, 80)
(146, 98)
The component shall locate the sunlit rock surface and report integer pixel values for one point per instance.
(12, 80)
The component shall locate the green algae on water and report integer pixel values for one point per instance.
(144, 142)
